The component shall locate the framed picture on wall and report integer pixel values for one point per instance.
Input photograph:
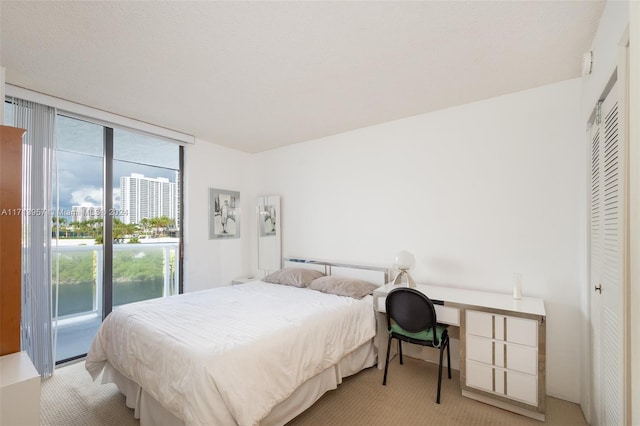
(224, 214)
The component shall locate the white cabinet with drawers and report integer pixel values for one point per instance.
(502, 344)
(503, 359)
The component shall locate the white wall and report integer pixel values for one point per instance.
(606, 50)
(476, 192)
(634, 191)
(210, 263)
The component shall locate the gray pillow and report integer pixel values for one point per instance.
(343, 286)
(297, 277)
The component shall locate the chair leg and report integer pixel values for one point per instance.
(448, 357)
(400, 350)
(440, 374)
(386, 363)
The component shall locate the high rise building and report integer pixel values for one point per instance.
(143, 197)
(84, 213)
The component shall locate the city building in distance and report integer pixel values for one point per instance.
(144, 197)
(84, 213)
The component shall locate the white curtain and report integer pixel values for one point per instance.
(38, 148)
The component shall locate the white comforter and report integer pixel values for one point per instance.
(253, 344)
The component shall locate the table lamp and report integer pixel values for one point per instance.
(404, 261)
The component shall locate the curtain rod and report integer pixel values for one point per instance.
(101, 116)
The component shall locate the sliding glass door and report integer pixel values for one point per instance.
(146, 221)
(77, 252)
(116, 226)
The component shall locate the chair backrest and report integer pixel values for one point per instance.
(410, 309)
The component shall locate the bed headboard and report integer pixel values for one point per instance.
(373, 274)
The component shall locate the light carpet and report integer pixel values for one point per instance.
(71, 398)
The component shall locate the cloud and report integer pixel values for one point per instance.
(80, 178)
(87, 196)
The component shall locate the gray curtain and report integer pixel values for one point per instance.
(37, 152)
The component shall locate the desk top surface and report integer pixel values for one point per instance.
(15, 368)
(483, 299)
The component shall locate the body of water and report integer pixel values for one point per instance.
(78, 298)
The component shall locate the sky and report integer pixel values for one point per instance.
(80, 178)
(80, 162)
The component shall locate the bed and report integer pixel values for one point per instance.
(248, 354)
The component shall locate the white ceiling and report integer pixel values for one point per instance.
(257, 75)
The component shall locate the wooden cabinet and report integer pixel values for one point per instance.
(505, 359)
(10, 237)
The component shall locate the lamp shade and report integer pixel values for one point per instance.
(404, 260)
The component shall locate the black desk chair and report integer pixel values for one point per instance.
(414, 321)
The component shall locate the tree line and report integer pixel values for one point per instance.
(93, 228)
(128, 265)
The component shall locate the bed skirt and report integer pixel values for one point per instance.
(152, 413)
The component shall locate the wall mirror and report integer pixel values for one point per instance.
(269, 233)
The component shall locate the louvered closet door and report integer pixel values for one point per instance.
(607, 262)
(596, 270)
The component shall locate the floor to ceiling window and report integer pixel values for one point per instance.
(116, 220)
(116, 226)
(78, 256)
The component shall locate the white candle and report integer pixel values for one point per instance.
(517, 285)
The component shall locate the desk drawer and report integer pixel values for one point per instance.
(480, 376)
(523, 359)
(510, 384)
(448, 315)
(480, 349)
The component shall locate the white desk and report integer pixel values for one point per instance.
(502, 344)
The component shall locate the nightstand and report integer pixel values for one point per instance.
(19, 390)
(242, 280)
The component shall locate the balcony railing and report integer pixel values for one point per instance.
(140, 272)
